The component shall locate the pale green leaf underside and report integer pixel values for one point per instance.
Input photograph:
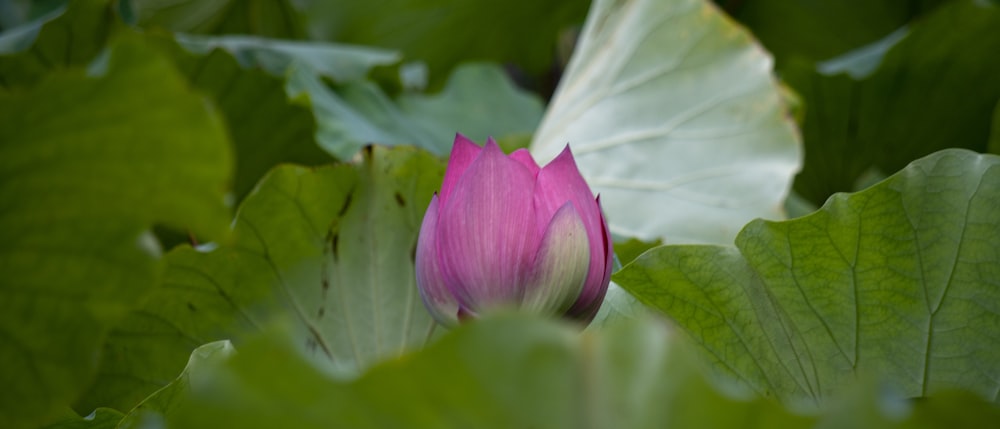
(899, 281)
(683, 101)
(341, 63)
(479, 101)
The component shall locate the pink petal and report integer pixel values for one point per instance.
(487, 232)
(463, 152)
(592, 296)
(560, 181)
(437, 298)
(524, 157)
(561, 264)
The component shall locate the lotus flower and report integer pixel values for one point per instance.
(504, 232)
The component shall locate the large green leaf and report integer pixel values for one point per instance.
(478, 101)
(330, 248)
(675, 120)
(510, 371)
(150, 412)
(445, 33)
(899, 280)
(203, 359)
(266, 126)
(935, 88)
(88, 164)
(499, 373)
(101, 418)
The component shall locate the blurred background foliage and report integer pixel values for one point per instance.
(881, 83)
(120, 264)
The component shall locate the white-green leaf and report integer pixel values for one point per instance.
(675, 119)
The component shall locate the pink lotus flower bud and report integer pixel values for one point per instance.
(504, 232)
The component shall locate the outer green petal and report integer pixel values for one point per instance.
(561, 265)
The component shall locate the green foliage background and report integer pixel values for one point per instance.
(208, 212)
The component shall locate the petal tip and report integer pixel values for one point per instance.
(461, 138)
(492, 144)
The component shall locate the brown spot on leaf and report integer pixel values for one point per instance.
(347, 204)
(333, 248)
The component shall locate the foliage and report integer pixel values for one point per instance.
(89, 164)
(912, 86)
(707, 147)
(237, 186)
(895, 281)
